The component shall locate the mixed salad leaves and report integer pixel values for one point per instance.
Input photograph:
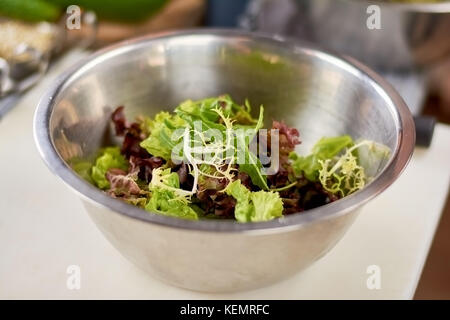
(200, 162)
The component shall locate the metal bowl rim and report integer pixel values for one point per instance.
(400, 156)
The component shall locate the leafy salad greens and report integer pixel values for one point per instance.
(200, 161)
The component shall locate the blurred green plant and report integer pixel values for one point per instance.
(30, 10)
(51, 10)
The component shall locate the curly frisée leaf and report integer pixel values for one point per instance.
(254, 206)
(325, 148)
(166, 196)
(167, 180)
(343, 175)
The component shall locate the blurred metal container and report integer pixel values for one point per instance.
(412, 35)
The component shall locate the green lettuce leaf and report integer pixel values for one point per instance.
(159, 143)
(254, 206)
(252, 165)
(165, 201)
(325, 148)
(82, 168)
(204, 110)
(109, 158)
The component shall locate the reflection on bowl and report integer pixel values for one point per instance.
(318, 93)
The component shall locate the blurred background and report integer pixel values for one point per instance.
(411, 50)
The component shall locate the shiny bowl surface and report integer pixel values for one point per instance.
(319, 93)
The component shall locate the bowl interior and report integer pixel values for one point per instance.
(318, 93)
(310, 90)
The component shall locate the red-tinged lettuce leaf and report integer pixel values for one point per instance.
(119, 121)
(121, 183)
(131, 145)
(143, 167)
(289, 137)
(133, 133)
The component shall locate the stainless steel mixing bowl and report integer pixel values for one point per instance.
(412, 35)
(312, 90)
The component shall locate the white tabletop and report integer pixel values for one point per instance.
(44, 229)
